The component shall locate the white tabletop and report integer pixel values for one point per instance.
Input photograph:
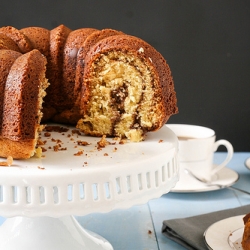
(139, 227)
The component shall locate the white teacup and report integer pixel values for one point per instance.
(196, 149)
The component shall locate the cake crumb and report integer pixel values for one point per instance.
(40, 142)
(8, 162)
(47, 134)
(56, 148)
(102, 143)
(160, 141)
(80, 152)
(83, 143)
(123, 141)
(43, 149)
(76, 131)
(56, 140)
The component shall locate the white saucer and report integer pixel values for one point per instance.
(187, 184)
(247, 163)
(225, 234)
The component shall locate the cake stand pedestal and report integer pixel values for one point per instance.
(49, 233)
(40, 195)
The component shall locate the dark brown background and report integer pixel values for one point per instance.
(206, 44)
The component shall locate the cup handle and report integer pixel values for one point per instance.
(230, 152)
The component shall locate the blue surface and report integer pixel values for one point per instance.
(139, 228)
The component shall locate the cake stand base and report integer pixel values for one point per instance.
(49, 233)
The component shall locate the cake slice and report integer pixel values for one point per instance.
(54, 72)
(68, 113)
(7, 58)
(22, 103)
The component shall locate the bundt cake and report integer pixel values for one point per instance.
(103, 81)
(246, 235)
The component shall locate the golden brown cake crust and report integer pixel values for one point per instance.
(7, 43)
(95, 37)
(19, 38)
(20, 109)
(74, 41)
(39, 38)
(7, 58)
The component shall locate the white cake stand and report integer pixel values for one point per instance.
(40, 195)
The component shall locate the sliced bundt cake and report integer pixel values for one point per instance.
(106, 82)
